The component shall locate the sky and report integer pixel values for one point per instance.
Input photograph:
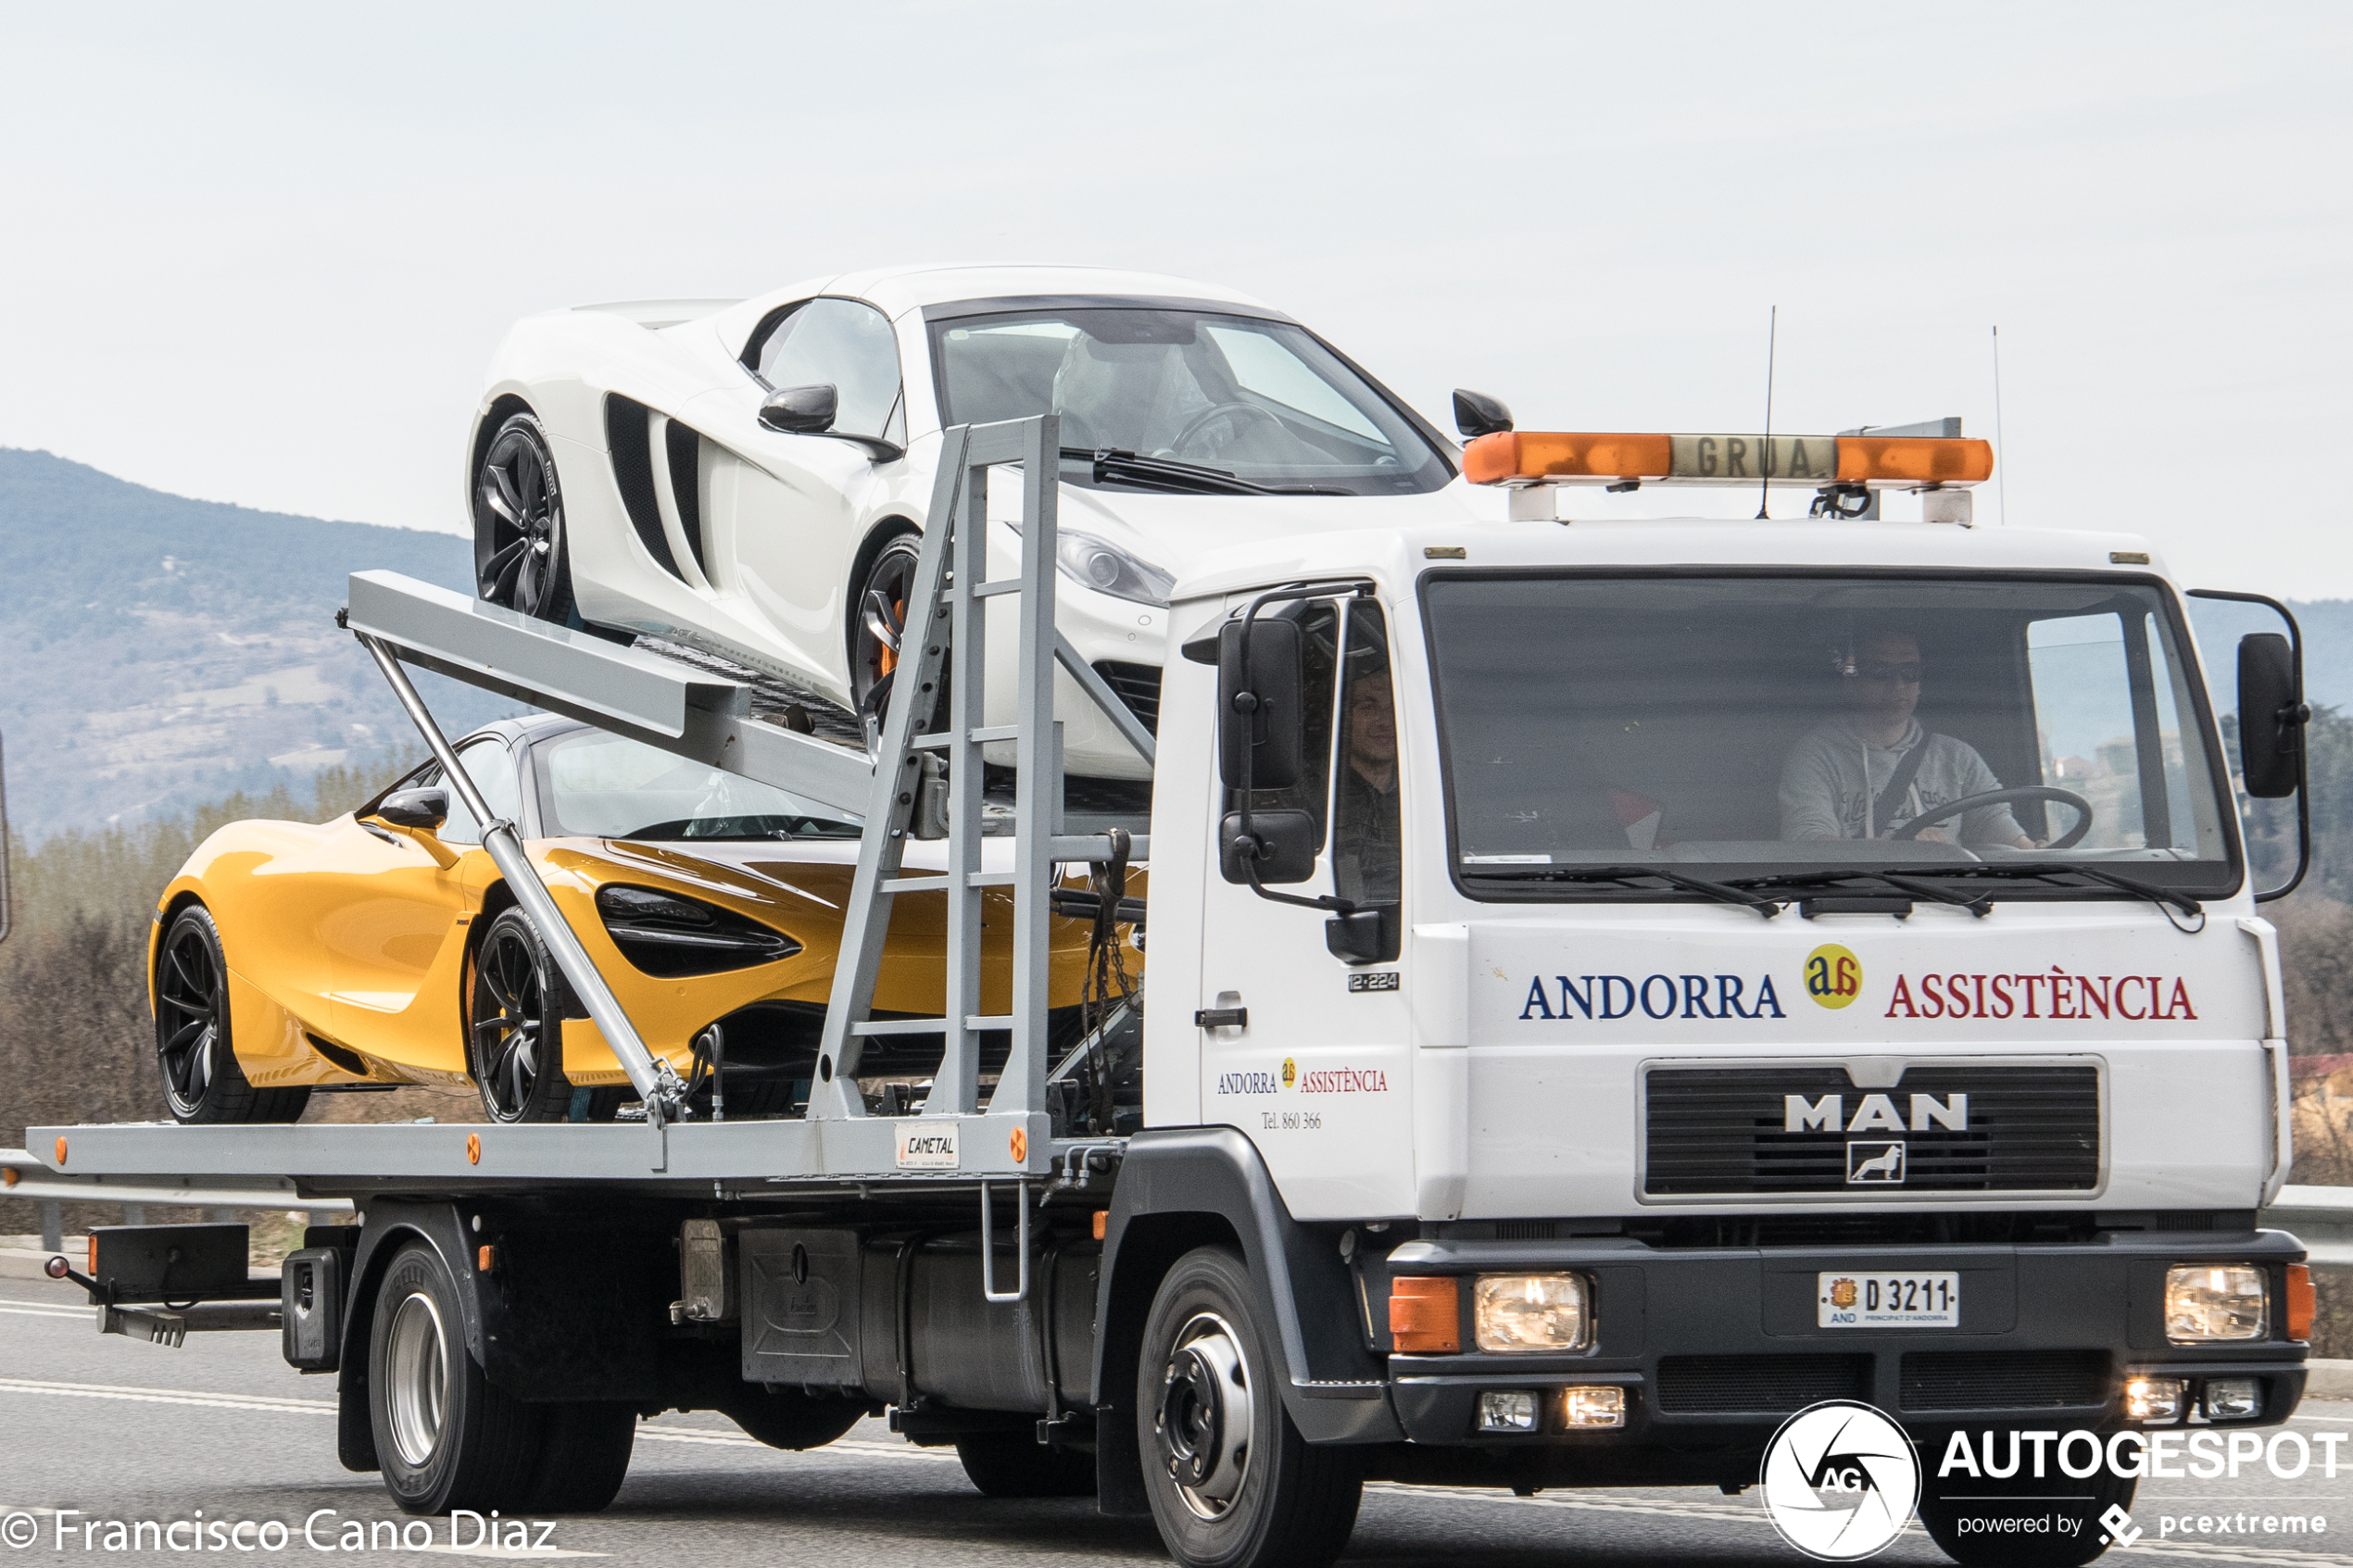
(262, 253)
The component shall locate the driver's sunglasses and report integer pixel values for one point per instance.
(1902, 674)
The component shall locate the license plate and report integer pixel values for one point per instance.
(1874, 1301)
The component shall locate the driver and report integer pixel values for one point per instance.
(1833, 782)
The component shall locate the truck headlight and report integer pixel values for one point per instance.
(1518, 1314)
(2208, 1301)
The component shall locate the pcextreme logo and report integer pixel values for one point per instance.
(1833, 975)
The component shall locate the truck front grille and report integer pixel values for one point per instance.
(1980, 1380)
(1734, 1385)
(1726, 1130)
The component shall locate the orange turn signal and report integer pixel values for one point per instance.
(1426, 1314)
(1914, 459)
(486, 1258)
(1103, 1222)
(2300, 1303)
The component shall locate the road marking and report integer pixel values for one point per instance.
(167, 1397)
(738, 1440)
(78, 1314)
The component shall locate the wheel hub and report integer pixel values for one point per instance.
(1203, 1424)
(417, 1375)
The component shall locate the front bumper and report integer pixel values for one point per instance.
(1716, 1348)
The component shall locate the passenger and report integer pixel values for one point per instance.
(1365, 817)
(1835, 781)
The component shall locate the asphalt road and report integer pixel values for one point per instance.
(123, 1431)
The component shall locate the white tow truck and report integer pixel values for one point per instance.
(1612, 985)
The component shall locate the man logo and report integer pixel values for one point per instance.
(1840, 1481)
(1291, 1073)
(1875, 1164)
(1833, 975)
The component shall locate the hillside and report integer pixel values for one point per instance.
(160, 652)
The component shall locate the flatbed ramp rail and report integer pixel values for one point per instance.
(920, 782)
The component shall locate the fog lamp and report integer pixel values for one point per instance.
(1518, 1313)
(1602, 1405)
(2206, 1302)
(2154, 1402)
(1507, 1411)
(2233, 1399)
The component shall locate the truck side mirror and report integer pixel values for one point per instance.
(1260, 711)
(1285, 849)
(2271, 717)
(425, 807)
(800, 411)
(1477, 414)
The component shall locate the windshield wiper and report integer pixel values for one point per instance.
(1979, 907)
(1768, 908)
(1113, 465)
(1982, 871)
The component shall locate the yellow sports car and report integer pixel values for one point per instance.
(385, 948)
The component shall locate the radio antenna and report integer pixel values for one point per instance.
(2001, 451)
(1764, 483)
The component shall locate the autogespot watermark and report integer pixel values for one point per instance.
(1841, 1479)
(70, 1529)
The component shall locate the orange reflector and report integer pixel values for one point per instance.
(1915, 459)
(474, 1148)
(90, 1267)
(486, 1258)
(8, 1177)
(1103, 1222)
(1018, 1145)
(2299, 1301)
(1426, 1314)
(1535, 454)
(61, 1151)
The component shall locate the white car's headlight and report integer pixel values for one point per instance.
(2208, 1301)
(1107, 568)
(1524, 1313)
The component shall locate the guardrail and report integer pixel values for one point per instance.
(2319, 1217)
(25, 1175)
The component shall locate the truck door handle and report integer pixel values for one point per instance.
(1221, 1018)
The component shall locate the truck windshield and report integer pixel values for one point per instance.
(1261, 400)
(1770, 727)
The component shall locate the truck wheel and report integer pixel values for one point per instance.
(444, 1437)
(202, 1081)
(1015, 1464)
(515, 1026)
(583, 1455)
(1232, 1483)
(2076, 1504)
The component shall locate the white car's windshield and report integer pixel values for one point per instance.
(1748, 727)
(599, 785)
(1261, 400)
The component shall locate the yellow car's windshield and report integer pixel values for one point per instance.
(600, 785)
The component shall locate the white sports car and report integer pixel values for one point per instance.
(748, 477)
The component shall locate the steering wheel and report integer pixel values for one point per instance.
(2067, 840)
(1200, 421)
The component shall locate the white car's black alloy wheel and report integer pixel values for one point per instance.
(521, 559)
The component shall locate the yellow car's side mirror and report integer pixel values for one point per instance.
(417, 815)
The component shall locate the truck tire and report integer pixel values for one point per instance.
(2077, 1504)
(583, 1455)
(444, 1437)
(1231, 1482)
(1015, 1464)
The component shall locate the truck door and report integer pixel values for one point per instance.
(1318, 1075)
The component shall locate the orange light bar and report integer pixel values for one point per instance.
(2299, 1301)
(1525, 456)
(1915, 459)
(1426, 1314)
